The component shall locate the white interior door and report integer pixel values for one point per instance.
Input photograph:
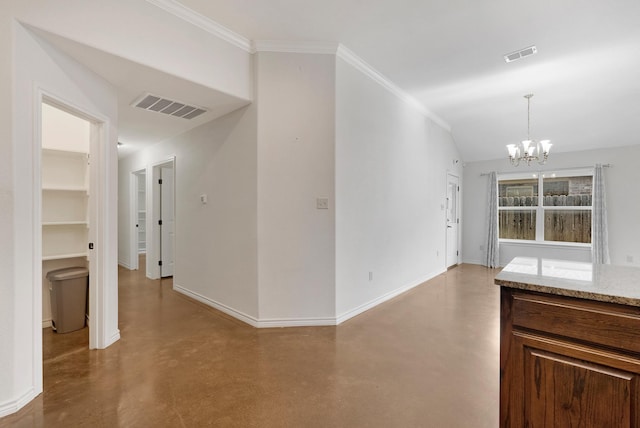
(167, 227)
(453, 220)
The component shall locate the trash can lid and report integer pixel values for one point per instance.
(67, 273)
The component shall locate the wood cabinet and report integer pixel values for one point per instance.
(568, 362)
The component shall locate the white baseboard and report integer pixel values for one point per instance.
(296, 322)
(217, 305)
(252, 321)
(388, 296)
(113, 339)
(472, 262)
(125, 265)
(12, 406)
(303, 322)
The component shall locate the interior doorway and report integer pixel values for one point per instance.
(453, 220)
(65, 145)
(167, 219)
(138, 217)
(69, 220)
(161, 220)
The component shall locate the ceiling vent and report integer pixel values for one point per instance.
(519, 54)
(163, 105)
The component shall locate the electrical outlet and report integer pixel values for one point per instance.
(370, 276)
(322, 203)
(629, 259)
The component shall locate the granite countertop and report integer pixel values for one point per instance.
(605, 283)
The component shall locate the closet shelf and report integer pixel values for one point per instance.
(64, 223)
(64, 189)
(64, 256)
(65, 152)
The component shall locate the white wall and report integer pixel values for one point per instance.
(215, 244)
(623, 206)
(33, 65)
(391, 171)
(64, 131)
(314, 124)
(9, 392)
(295, 101)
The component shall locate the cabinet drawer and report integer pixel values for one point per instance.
(611, 325)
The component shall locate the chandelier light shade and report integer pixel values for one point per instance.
(529, 150)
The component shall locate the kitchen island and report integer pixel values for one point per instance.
(569, 344)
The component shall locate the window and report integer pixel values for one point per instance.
(560, 213)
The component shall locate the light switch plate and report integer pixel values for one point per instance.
(322, 203)
(203, 198)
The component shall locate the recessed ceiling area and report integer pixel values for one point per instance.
(449, 55)
(138, 128)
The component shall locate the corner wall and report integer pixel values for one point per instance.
(215, 244)
(391, 172)
(623, 206)
(295, 95)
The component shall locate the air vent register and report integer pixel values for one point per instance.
(163, 105)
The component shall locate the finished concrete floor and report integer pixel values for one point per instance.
(428, 358)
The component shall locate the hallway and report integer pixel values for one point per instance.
(428, 358)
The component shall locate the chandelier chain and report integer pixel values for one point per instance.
(528, 97)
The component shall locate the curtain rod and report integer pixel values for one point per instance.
(606, 165)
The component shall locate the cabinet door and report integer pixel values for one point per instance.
(567, 385)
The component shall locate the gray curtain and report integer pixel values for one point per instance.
(493, 253)
(599, 234)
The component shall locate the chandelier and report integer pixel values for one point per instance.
(529, 150)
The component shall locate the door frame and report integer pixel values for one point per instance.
(458, 211)
(134, 182)
(153, 215)
(99, 305)
(167, 269)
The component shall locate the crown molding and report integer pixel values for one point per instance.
(358, 63)
(310, 47)
(179, 10)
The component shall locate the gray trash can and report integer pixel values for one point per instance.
(68, 288)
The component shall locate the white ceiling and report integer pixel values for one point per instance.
(448, 54)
